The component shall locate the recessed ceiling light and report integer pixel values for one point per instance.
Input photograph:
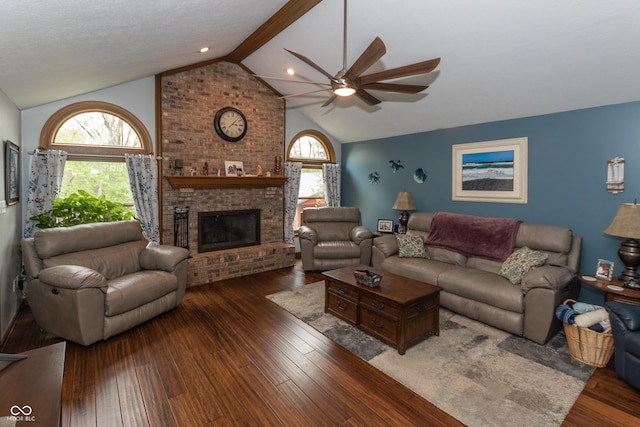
(204, 49)
(291, 71)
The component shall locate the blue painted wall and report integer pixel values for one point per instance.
(567, 154)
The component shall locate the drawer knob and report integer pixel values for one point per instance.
(342, 306)
(342, 290)
(377, 324)
(378, 305)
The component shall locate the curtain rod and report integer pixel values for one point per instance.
(109, 156)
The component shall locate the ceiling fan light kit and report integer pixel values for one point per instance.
(350, 81)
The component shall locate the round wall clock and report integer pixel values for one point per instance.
(230, 124)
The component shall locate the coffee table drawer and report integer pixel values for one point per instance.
(341, 289)
(379, 326)
(342, 308)
(379, 305)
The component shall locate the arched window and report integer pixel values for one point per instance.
(96, 135)
(312, 149)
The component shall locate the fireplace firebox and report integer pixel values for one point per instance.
(228, 229)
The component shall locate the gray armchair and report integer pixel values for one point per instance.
(333, 238)
(90, 282)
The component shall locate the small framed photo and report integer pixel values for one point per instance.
(385, 226)
(604, 270)
(233, 168)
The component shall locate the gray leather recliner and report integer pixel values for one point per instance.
(92, 281)
(333, 238)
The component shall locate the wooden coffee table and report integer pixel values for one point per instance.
(400, 312)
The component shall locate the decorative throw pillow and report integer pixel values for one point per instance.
(520, 262)
(411, 246)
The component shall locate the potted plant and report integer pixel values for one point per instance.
(81, 208)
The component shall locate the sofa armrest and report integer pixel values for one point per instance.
(73, 277)
(628, 313)
(360, 233)
(307, 233)
(162, 257)
(387, 245)
(548, 277)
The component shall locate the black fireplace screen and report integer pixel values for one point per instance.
(228, 229)
(181, 227)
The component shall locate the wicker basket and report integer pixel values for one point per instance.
(587, 346)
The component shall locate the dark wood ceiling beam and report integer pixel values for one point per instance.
(287, 15)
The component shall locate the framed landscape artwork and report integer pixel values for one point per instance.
(491, 171)
(11, 172)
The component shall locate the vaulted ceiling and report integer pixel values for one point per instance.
(501, 59)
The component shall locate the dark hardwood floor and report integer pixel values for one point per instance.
(228, 356)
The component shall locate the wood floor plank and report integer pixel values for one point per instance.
(156, 401)
(229, 356)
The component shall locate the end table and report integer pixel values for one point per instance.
(614, 289)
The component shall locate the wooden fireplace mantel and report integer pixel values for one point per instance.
(208, 182)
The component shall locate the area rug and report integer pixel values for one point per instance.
(478, 374)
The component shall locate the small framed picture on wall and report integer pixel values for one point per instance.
(11, 172)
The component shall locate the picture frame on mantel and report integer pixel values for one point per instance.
(11, 172)
(490, 171)
(233, 168)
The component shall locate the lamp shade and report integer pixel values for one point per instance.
(404, 202)
(626, 222)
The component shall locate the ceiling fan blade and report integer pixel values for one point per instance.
(309, 62)
(405, 71)
(329, 101)
(370, 56)
(367, 97)
(289, 80)
(302, 93)
(395, 87)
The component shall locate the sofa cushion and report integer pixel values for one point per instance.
(446, 255)
(520, 262)
(336, 250)
(134, 290)
(111, 261)
(62, 240)
(411, 246)
(481, 286)
(422, 269)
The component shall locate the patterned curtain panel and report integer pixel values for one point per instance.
(45, 179)
(143, 179)
(292, 171)
(331, 179)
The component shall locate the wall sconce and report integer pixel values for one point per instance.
(615, 175)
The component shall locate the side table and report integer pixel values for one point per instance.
(614, 290)
(31, 388)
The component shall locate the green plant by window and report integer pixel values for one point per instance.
(82, 208)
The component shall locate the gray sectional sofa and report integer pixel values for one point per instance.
(471, 283)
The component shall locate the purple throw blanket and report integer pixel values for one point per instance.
(490, 238)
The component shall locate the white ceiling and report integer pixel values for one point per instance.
(501, 59)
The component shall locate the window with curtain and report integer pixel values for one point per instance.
(312, 149)
(96, 135)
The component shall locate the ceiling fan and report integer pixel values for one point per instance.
(350, 81)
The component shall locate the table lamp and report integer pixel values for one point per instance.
(626, 224)
(404, 202)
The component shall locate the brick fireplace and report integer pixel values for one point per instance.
(189, 100)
